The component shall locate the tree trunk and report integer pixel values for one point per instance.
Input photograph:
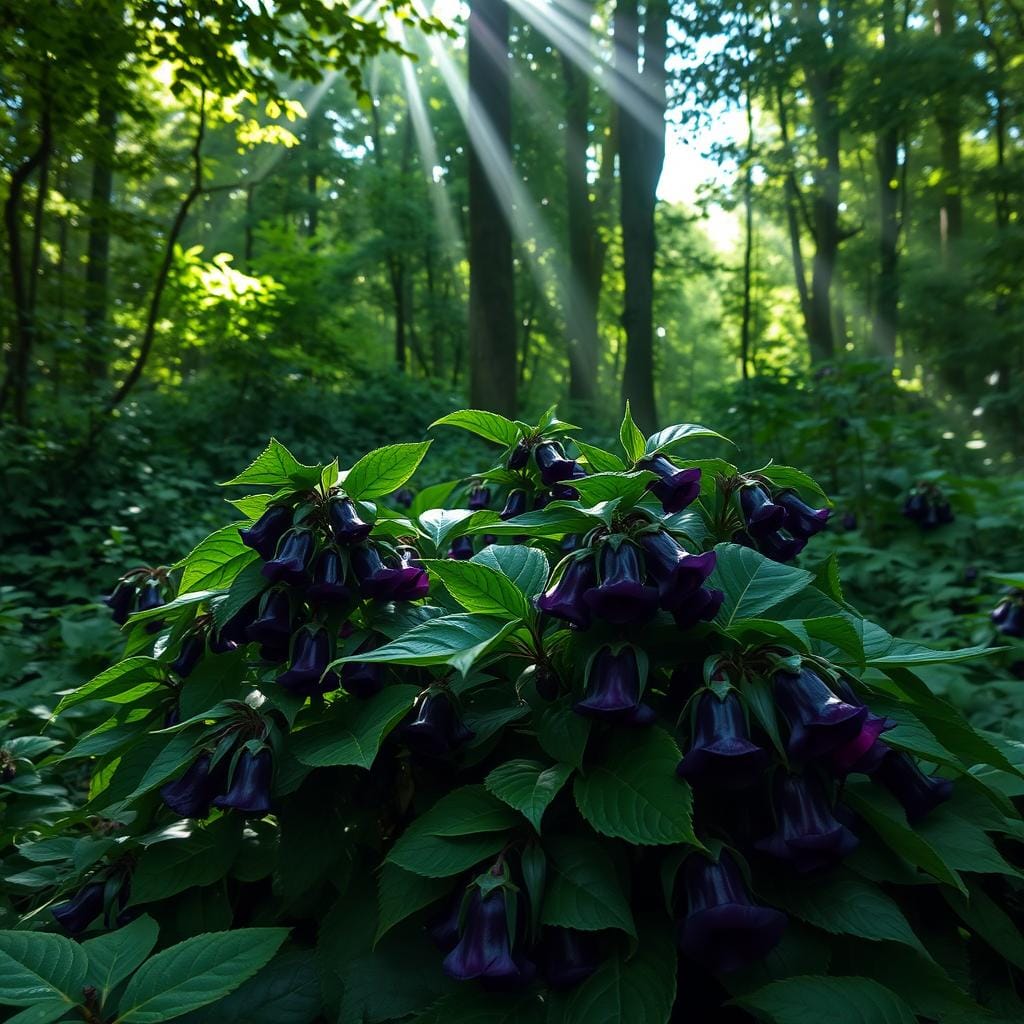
(492, 315)
(947, 119)
(641, 156)
(748, 246)
(312, 174)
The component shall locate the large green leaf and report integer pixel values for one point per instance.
(753, 584)
(214, 562)
(479, 588)
(584, 887)
(635, 794)
(441, 523)
(528, 786)
(196, 972)
(630, 437)
(275, 466)
(666, 439)
(983, 915)
(563, 734)
(384, 469)
(401, 893)
(112, 957)
(121, 683)
(599, 460)
(813, 999)
(202, 858)
(527, 568)
(488, 425)
(36, 969)
(554, 520)
(628, 488)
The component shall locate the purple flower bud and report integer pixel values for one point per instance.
(722, 753)
(819, 721)
(346, 524)
(293, 555)
(328, 586)
(461, 549)
(1008, 618)
(613, 688)
(677, 488)
(677, 573)
(564, 599)
(273, 625)
(701, 606)
(515, 505)
(802, 520)
(479, 498)
(406, 582)
(807, 834)
(75, 915)
(553, 465)
(436, 729)
(192, 649)
(250, 785)
(520, 455)
(121, 601)
(151, 597)
(762, 515)
(190, 795)
(311, 654)
(568, 957)
(919, 794)
(723, 929)
(264, 534)
(622, 596)
(362, 678)
(485, 948)
(403, 497)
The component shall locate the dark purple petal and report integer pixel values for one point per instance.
(919, 794)
(700, 606)
(75, 915)
(553, 465)
(328, 586)
(250, 784)
(613, 685)
(514, 506)
(722, 753)
(520, 455)
(121, 601)
(151, 596)
(192, 649)
(479, 498)
(293, 554)
(311, 654)
(190, 795)
(264, 534)
(461, 549)
(362, 678)
(568, 957)
(485, 948)
(819, 721)
(622, 596)
(346, 524)
(677, 488)
(802, 520)
(436, 728)
(564, 599)
(273, 625)
(762, 515)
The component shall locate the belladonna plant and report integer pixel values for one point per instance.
(629, 754)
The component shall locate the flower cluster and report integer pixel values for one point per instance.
(242, 783)
(140, 590)
(927, 506)
(778, 524)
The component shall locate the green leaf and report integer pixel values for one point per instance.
(441, 523)
(401, 893)
(584, 888)
(812, 999)
(884, 650)
(488, 425)
(479, 588)
(275, 466)
(36, 968)
(174, 754)
(167, 611)
(528, 786)
(196, 972)
(630, 437)
(599, 460)
(753, 584)
(214, 562)
(983, 915)
(563, 734)
(787, 476)
(635, 793)
(249, 583)
(554, 520)
(668, 438)
(354, 729)
(384, 469)
(526, 568)
(628, 488)
(112, 957)
(466, 811)
(40, 1013)
(202, 858)
(121, 683)
(839, 631)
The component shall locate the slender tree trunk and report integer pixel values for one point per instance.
(312, 174)
(641, 157)
(492, 314)
(948, 121)
(748, 246)
(97, 266)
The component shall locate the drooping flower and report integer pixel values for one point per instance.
(520, 455)
(192, 649)
(864, 753)
(1008, 617)
(273, 625)
(443, 926)
(77, 913)
(515, 505)
(781, 546)
(568, 957)
(676, 488)
(234, 632)
(404, 582)
(761, 514)
(121, 601)
(436, 728)
(329, 586)
(915, 507)
(677, 573)
(250, 784)
(807, 834)
(347, 525)
(819, 721)
(613, 688)
(190, 795)
(265, 533)
(919, 794)
(479, 498)
(362, 678)
(311, 654)
(151, 596)
(485, 947)
(553, 465)
(461, 549)
(802, 520)
(724, 929)
(722, 753)
(700, 606)
(564, 598)
(621, 596)
(293, 554)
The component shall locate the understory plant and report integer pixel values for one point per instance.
(570, 739)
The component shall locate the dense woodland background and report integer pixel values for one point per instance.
(227, 220)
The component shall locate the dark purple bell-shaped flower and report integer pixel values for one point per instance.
(807, 834)
(403, 497)
(384, 582)
(677, 488)
(443, 926)
(250, 785)
(622, 596)
(1008, 618)
(802, 520)
(414, 582)
(151, 597)
(553, 465)
(479, 498)
(75, 915)
(346, 523)
(916, 506)
(520, 455)
(700, 606)
(722, 753)
(864, 753)
(677, 573)
(762, 515)
(568, 957)
(273, 625)
(461, 549)
(564, 599)
(234, 632)
(515, 505)
(121, 601)
(436, 728)
(919, 794)
(192, 649)
(362, 678)
(190, 795)
(485, 948)
(293, 555)
(311, 654)
(328, 584)
(819, 721)
(781, 546)
(613, 689)
(264, 534)
(724, 929)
